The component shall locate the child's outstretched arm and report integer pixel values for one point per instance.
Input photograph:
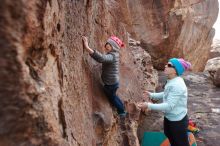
(86, 45)
(102, 58)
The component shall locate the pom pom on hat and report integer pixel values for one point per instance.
(185, 64)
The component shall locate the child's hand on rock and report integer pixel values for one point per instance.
(85, 41)
(86, 45)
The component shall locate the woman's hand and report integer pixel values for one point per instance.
(142, 105)
(146, 95)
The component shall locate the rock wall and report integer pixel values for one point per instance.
(215, 49)
(178, 28)
(50, 89)
(213, 64)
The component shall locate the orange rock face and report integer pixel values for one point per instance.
(50, 89)
(180, 28)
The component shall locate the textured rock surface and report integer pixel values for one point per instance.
(215, 49)
(180, 28)
(147, 74)
(216, 79)
(213, 67)
(213, 64)
(50, 89)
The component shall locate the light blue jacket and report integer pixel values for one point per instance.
(174, 99)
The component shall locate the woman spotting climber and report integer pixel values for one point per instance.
(174, 102)
(110, 69)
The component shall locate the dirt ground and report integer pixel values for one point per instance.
(204, 108)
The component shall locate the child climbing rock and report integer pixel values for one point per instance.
(110, 69)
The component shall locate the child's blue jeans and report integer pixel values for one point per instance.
(110, 91)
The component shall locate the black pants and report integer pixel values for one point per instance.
(176, 131)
